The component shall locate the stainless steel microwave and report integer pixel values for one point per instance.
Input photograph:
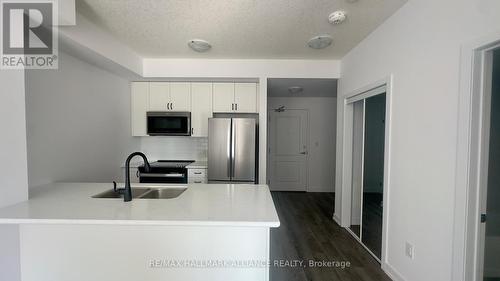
(166, 123)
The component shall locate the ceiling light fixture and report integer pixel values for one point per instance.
(320, 42)
(337, 17)
(199, 45)
(295, 89)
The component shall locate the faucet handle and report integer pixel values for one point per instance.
(118, 190)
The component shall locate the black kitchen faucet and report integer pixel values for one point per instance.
(127, 190)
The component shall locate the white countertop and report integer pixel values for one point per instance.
(199, 205)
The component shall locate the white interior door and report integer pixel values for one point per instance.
(287, 150)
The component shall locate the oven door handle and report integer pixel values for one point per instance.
(158, 175)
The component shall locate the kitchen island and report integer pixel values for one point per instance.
(209, 232)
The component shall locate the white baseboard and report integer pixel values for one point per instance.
(336, 219)
(392, 273)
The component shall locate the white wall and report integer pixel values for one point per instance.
(14, 180)
(78, 123)
(13, 183)
(419, 45)
(322, 126)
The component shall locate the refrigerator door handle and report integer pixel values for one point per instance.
(233, 148)
(229, 151)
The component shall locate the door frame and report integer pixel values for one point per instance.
(268, 173)
(467, 263)
(347, 160)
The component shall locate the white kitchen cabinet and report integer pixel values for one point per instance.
(197, 175)
(201, 108)
(159, 96)
(139, 107)
(223, 97)
(180, 96)
(235, 97)
(245, 97)
(165, 96)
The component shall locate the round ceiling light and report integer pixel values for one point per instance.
(337, 17)
(199, 45)
(295, 89)
(320, 42)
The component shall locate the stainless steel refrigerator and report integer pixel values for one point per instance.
(232, 150)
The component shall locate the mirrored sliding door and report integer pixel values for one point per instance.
(357, 166)
(373, 173)
(367, 184)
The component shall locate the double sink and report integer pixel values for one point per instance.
(146, 193)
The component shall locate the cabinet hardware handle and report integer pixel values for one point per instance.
(232, 106)
(197, 173)
(192, 131)
(172, 105)
(236, 105)
(197, 182)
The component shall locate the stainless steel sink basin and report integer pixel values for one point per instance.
(136, 192)
(164, 193)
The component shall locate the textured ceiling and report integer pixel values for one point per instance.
(240, 29)
(278, 87)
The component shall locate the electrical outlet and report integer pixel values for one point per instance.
(409, 250)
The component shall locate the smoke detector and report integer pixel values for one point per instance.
(337, 17)
(199, 45)
(295, 89)
(320, 41)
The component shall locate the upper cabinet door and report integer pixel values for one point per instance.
(159, 96)
(180, 97)
(223, 100)
(201, 109)
(245, 97)
(140, 105)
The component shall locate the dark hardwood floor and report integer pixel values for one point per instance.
(307, 232)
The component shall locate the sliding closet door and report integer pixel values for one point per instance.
(491, 271)
(373, 173)
(357, 166)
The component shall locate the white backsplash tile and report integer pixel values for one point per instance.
(175, 148)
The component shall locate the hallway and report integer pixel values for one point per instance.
(307, 232)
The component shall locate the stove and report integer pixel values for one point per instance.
(172, 163)
(165, 171)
